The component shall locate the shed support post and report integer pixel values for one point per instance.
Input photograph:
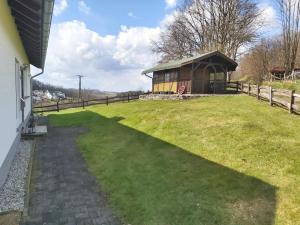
(225, 77)
(215, 73)
(214, 82)
(192, 77)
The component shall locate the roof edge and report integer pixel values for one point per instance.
(48, 7)
(164, 66)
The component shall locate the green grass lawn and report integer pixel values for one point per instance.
(217, 160)
(284, 85)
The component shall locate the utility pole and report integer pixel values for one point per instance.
(79, 88)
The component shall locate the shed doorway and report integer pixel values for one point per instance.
(200, 82)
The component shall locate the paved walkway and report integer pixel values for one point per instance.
(62, 190)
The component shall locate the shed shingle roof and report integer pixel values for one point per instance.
(174, 64)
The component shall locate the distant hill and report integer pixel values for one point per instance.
(73, 93)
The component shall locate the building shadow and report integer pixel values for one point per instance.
(166, 184)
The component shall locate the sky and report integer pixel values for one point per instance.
(109, 41)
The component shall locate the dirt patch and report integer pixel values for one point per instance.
(10, 218)
(250, 211)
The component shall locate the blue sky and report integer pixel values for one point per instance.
(110, 41)
(107, 16)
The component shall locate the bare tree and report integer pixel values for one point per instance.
(206, 25)
(264, 56)
(290, 15)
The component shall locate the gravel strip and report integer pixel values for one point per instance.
(12, 192)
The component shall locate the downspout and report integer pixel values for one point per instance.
(43, 62)
(31, 91)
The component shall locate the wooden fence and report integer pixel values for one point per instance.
(83, 103)
(287, 99)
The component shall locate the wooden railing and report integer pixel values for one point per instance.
(83, 103)
(232, 87)
(287, 99)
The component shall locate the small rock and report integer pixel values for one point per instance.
(12, 192)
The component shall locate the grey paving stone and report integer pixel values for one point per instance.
(62, 191)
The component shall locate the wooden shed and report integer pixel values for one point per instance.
(278, 73)
(201, 74)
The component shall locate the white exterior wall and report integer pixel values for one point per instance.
(11, 49)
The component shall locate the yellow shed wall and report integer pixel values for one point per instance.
(165, 87)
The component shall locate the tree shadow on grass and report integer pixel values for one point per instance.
(153, 182)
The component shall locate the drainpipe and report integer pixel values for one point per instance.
(31, 78)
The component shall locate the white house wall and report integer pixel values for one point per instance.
(11, 51)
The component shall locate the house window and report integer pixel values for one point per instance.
(167, 77)
(173, 76)
(219, 76)
(25, 84)
(161, 78)
(18, 88)
(155, 78)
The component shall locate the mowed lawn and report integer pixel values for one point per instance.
(216, 160)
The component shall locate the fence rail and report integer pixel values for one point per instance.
(287, 99)
(83, 103)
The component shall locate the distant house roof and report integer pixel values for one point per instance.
(185, 61)
(281, 70)
(33, 20)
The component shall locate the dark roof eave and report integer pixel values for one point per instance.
(33, 20)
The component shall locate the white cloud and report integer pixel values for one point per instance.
(131, 14)
(168, 19)
(60, 6)
(268, 18)
(111, 62)
(83, 7)
(171, 3)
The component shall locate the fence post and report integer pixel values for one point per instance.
(237, 87)
(57, 106)
(258, 91)
(270, 95)
(292, 102)
(106, 100)
(249, 87)
(128, 99)
(242, 87)
(82, 103)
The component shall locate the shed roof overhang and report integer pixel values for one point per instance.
(174, 64)
(33, 20)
